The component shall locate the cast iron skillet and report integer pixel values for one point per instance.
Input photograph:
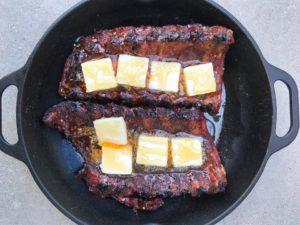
(248, 135)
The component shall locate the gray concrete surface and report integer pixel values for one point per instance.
(275, 25)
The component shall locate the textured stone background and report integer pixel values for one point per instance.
(274, 25)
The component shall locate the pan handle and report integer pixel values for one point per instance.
(276, 143)
(16, 79)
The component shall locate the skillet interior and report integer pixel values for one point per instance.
(244, 137)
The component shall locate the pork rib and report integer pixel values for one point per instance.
(140, 190)
(182, 43)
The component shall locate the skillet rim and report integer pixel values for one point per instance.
(44, 189)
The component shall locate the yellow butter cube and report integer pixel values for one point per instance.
(98, 74)
(111, 130)
(186, 151)
(164, 76)
(199, 79)
(116, 159)
(152, 151)
(132, 70)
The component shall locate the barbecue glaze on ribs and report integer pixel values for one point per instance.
(185, 44)
(140, 190)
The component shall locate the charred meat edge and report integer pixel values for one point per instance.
(139, 190)
(183, 43)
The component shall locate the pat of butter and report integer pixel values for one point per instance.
(132, 70)
(116, 159)
(98, 74)
(152, 151)
(199, 79)
(111, 130)
(186, 151)
(164, 76)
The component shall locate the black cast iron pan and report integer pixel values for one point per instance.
(248, 136)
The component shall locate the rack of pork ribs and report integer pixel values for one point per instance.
(144, 110)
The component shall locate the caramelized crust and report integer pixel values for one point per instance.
(140, 190)
(184, 44)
